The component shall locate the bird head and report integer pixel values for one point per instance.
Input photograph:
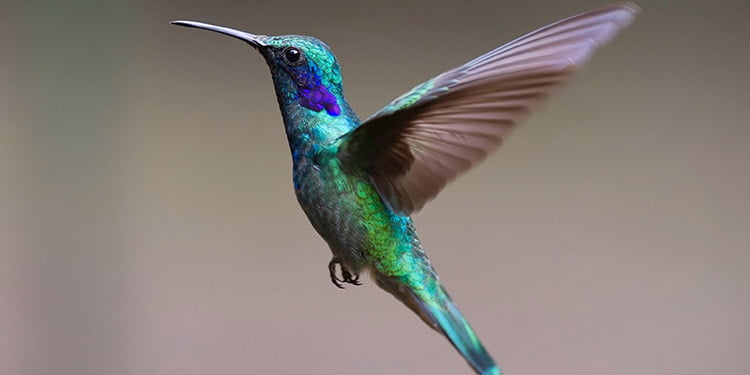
(305, 71)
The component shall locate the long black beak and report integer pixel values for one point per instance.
(254, 40)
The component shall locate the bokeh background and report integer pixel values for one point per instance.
(148, 224)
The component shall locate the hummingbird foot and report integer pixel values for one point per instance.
(346, 276)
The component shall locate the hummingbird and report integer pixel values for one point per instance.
(359, 182)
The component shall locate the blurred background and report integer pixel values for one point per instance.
(148, 223)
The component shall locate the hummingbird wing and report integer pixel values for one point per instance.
(421, 141)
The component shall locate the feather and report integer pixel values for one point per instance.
(424, 139)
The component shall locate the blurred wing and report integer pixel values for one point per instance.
(421, 141)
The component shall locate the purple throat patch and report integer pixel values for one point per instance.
(318, 98)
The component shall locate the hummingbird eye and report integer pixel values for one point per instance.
(292, 55)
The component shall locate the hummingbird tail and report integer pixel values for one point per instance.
(440, 313)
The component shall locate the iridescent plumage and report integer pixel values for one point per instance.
(358, 182)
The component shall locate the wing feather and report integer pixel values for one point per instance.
(424, 139)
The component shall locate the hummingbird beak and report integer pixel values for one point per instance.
(254, 40)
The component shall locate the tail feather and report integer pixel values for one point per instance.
(462, 336)
(439, 312)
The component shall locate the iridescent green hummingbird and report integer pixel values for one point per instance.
(358, 182)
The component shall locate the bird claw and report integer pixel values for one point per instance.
(346, 276)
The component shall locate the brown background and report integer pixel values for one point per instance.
(148, 225)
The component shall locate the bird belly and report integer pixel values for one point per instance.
(346, 210)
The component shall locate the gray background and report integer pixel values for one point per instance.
(148, 225)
